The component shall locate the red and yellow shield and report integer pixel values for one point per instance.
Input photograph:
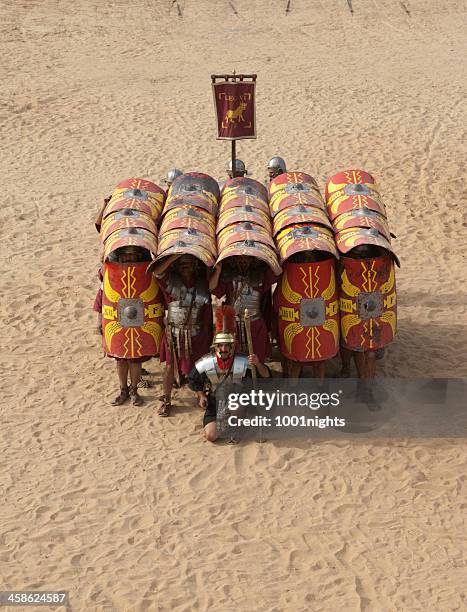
(300, 214)
(250, 248)
(244, 214)
(148, 207)
(176, 218)
(306, 181)
(308, 311)
(352, 190)
(363, 217)
(243, 185)
(137, 194)
(243, 231)
(295, 239)
(190, 237)
(182, 220)
(191, 184)
(132, 311)
(367, 303)
(356, 236)
(237, 201)
(127, 217)
(203, 201)
(130, 236)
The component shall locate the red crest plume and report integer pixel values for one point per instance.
(225, 319)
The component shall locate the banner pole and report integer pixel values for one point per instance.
(234, 155)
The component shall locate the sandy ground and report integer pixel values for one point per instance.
(131, 512)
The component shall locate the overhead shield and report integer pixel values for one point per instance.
(352, 190)
(130, 236)
(243, 185)
(292, 182)
(183, 219)
(147, 206)
(243, 231)
(241, 215)
(199, 200)
(187, 247)
(196, 183)
(367, 303)
(138, 194)
(300, 214)
(363, 217)
(132, 311)
(191, 212)
(284, 200)
(307, 298)
(191, 237)
(254, 249)
(296, 239)
(347, 177)
(237, 201)
(124, 218)
(352, 237)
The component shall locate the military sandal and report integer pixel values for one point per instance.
(137, 399)
(122, 398)
(165, 406)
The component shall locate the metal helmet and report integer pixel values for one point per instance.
(276, 166)
(240, 169)
(172, 175)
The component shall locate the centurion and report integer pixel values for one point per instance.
(219, 366)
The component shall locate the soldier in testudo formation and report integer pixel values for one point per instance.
(276, 166)
(188, 331)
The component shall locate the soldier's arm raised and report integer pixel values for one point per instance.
(162, 267)
(214, 279)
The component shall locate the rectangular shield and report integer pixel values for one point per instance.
(132, 311)
(307, 300)
(367, 303)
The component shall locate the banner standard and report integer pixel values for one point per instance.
(234, 101)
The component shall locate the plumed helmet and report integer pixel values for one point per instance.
(277, 163)
(240, 168)
(225, 325)
(172, 175)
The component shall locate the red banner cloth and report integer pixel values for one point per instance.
(235, 109)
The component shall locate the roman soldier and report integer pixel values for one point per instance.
(186, 250)
(276, 166)
(219, 366)
(306, 298)
(246, 282)
(368, 300)
(130, 313)
(171, 176)
(247, 264)
(188, 332)
(240, 170)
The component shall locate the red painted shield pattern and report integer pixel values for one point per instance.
(352, 190)
(308, 312)
(132, 311)
(367, 302)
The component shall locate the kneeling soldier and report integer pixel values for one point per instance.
(220, 366)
